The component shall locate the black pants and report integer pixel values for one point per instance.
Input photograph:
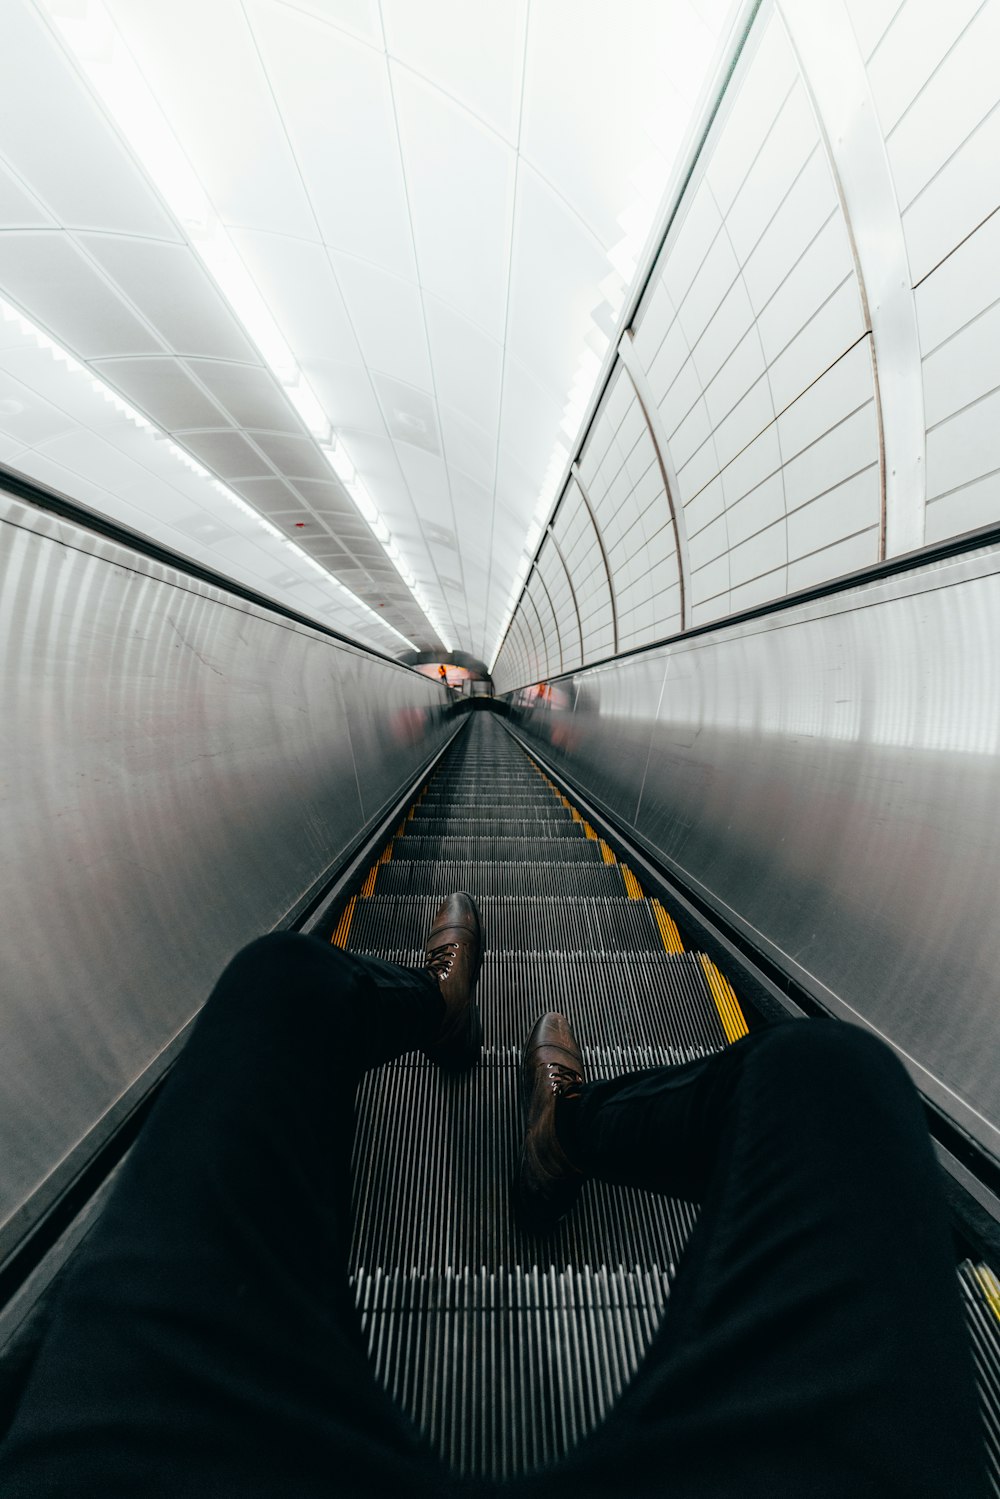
(205, 1341)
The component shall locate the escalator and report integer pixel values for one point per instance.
(505, 1348)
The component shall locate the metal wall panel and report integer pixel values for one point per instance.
(180, 768)
(828, 778)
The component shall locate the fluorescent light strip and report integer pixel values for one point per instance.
(96, 43)
(30, 330)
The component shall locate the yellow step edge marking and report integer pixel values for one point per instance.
(669, 935)
(368, 888)
(607, 854)
(400, 830)
(990, 1287)
(733, 1021)
(576, 815)
(631, 883)
(409, 815)
(589, 832)
(339, 938)
(386, 853)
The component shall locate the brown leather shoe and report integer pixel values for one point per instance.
(547, 1183)
(453, 956)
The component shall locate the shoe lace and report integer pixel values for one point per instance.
(440, 959)
(562, 1078)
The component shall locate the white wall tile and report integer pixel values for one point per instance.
(847, 448)
(965, 509)
(965, 448)
(809, 203)
(781, 157)
(956, 201)
(756, 510)
(962, 286)
(761, 93)
(828, 334)
(760, 554)
(920, 35)
(850, 507)
(690, 242)
(844, 557)
(870, 19)
(963, 369)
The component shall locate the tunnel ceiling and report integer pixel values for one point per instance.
(335, 272)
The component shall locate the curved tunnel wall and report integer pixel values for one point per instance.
(811, 380)
(810, 386)
(183, 768)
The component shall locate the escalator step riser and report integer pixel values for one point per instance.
(559, 825)
(566, 923)
(435, 1159)
(523, 879)
(499, 849)
(524, 1363)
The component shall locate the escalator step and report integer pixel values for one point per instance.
(435, 1159)
(496, 850)
(462, 1350)
(557, 825)
(523, 879)
(514, 924)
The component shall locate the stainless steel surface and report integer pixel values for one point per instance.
(833, 70)
(828, 778)
(180, 767)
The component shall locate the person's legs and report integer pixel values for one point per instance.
(814, 1343)
(206, 1341)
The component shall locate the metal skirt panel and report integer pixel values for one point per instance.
(180, 768)
(828, 778)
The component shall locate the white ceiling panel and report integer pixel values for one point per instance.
(19, 209)
(410, 415)
(556, 271)
(201, 62)
(27, 416)
(68, 388)
(530, 420)
(376, 460)
(468, 364)
(60, 143)
(164, 390)
(298, 284)
(249, 394)
(473, 50)
(335, 99)
(46, 275)
(295, 457)
(228, 454)
(468, 448)
(269, 494)
(460, 180)
(427, 481)
(167, 285)
(388, 319)
(346, 389)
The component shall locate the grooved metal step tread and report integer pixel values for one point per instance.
(461, 1351)
(435, 1158)
(652, 1000)
(514, 923)
(526, 878)
(559, 824)
(499, 849)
